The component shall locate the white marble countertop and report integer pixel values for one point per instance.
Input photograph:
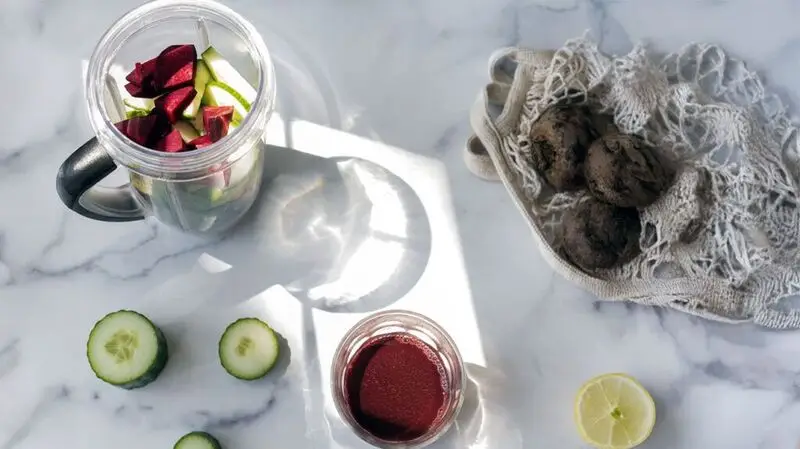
(397, 79)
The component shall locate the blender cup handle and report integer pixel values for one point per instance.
(76, 181)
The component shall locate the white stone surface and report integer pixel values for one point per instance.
(389, 82)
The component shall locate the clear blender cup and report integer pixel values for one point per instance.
(202, 191)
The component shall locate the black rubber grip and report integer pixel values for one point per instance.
(76, 186)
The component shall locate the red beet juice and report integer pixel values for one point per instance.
(396, 387)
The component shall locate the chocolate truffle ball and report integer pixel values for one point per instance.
(599, 235)
(559, 140)
(625, 171)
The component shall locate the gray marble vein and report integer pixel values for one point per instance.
(9, 357)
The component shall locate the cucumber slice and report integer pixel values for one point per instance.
(126, 349)
(197, 122)
(131, 113)
(141, 104)
(187, 130)
(201, 77)
(223, 72)
(197, 440)
(248, 349)
(143, 184)
(219, 94)
(242, 168)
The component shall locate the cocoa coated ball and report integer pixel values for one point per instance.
(559, 140)
(625, 171)
(598, 235)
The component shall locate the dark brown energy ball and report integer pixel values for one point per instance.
(559, 141)
(625, 171)
(599, 235)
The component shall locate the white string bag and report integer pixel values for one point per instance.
(724, 241)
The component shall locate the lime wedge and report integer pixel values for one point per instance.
(614, 411)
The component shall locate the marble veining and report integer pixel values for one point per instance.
(374, 95)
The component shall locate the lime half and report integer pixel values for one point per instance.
(614, 411)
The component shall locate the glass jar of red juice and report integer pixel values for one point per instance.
(398, 380)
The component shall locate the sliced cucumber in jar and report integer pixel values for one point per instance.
(201, 77)
(132, 113)
(141, 183)
(197, 440)
(187, 131)
(224, 72)
(244, 166)
(197, 122)
(126, 349)
(248, 349)
(141, 104)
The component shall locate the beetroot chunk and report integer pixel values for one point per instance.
(225, 112)
(142, 72)
(142, 83)
(200, 142)
(173, 103)
(140, 91)
(175, 67)
(140, 129)
(172, 68)
(146, 130)
(216, 120)
(122, 127)
(171, 143)
(217, 128)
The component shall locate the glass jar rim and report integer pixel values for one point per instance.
(157, 163)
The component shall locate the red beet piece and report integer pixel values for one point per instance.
(144, 130)
(395, 387)
(173, 103)
(225, 112)
(200, 142)
(216, 120)
(217, 128)
(135, 76)
(171, 143)
(122, 127)
(175, 67)
(138, 129)
(142, 73)
(140, 91)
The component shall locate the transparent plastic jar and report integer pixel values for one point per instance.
(201, 191)
(405, 323)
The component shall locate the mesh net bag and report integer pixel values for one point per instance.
(722, 241)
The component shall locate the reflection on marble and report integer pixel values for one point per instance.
(383, 214)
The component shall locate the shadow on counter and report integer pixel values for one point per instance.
(340, 234)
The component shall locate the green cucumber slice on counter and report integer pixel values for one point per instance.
(219, 94)
(197, 440)
(248, 349)
(186, 130)
(201, 77)
(223, 72)
(126, 349)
